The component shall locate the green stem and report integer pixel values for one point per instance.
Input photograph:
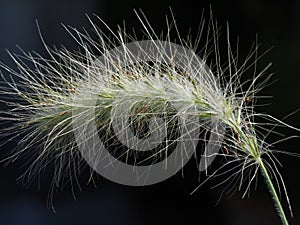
(248, 144)
(273, 192)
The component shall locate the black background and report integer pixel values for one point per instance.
(277, 24)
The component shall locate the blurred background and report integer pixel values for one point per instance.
(277, 24)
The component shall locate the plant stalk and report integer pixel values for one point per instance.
(273, 192)
(254, 152)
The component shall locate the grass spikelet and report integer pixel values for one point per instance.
(148, 101)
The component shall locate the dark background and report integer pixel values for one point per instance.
(170, 202)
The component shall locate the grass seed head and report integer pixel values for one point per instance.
(143, 100)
